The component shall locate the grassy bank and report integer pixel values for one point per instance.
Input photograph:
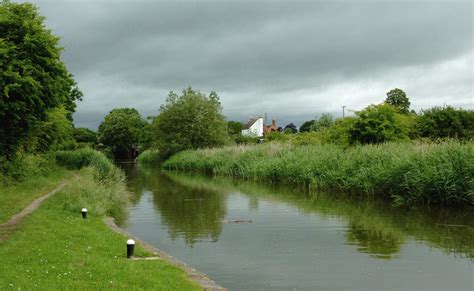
(34, 176)
(407, 173)
(54, 248)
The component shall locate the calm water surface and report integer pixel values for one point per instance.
(249, 236)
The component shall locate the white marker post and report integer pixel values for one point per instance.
(130, 248)
(84, 213)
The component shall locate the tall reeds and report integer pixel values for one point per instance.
(407, 173)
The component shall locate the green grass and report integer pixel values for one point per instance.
(54, 248)
(14, 198)
(406, 173)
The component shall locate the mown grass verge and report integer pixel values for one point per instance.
(55, 249)
(407, 173)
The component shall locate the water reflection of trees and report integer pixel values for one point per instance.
(189, 211)
(376, 242)
(374, 226)
(193, 207)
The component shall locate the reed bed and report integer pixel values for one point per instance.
(407, 173)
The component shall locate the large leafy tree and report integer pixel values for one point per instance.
(33, 77)
(188, 121)
(122, 130)
(378, 124)
(398, 99)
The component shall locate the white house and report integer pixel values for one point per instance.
(254, 127)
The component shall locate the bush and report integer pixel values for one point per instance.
(24, 167)
(446, 122)
(378, 124)
(86, 157)
(149, 157)
(339, 133)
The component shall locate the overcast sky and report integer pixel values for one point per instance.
(292, 60)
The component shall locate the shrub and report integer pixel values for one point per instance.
(26, 166)
(149, 157)
(378, 124)
(86, 157)
(446, 122)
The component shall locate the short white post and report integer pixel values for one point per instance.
(130, 248)
(84, 213)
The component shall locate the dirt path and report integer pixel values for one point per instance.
(16, 219)
(202, 279)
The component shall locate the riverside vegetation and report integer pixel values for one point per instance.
(407, 173)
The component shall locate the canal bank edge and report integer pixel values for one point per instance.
(202, 279)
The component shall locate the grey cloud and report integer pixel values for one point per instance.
(258, 55)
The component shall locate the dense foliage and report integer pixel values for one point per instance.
(325, 121)
(234, 127)
(290, 128)
(56, 132)
(446, 122)
(85, 135)
(398, 99)
(188, 121)
(378, 124)
(122, 130)
(33, 77)
(307, 125)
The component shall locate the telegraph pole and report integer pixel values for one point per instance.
(343, 111)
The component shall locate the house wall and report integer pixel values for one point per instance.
(256, 129)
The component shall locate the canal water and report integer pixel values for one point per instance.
(249, 236)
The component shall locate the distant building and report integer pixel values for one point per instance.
(256, 127)
(270, 128)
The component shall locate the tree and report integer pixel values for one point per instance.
(56, 132)
(442, 122)
(85, 135)
(122, 130)
(325, 121)
(33, 77)
(378, 124)
(290, 128)
(399, 100)
(234, 127)
(189, 121)
(307, 125)
(339, 132)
